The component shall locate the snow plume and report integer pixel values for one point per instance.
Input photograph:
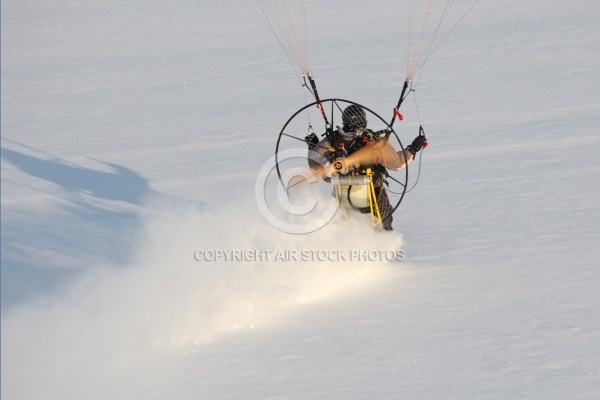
(197, 273)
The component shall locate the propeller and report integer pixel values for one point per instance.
(380, 152)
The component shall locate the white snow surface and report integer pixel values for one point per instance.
(132, 136)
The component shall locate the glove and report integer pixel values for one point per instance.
(417, 144)
(311, 140)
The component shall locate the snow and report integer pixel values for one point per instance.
(132, 137)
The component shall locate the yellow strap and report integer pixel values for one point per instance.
(374, 206)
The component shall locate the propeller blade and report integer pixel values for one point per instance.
(380, 152)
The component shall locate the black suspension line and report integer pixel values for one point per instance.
(403, 96)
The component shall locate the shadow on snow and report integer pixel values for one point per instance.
(96, 221)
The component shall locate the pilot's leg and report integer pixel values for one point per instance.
(385, 208)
